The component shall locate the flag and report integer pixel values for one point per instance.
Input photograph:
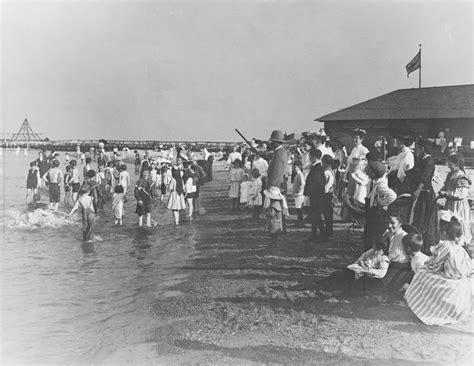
(414, 64)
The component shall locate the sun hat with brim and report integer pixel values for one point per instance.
(277, 136)
(273, 193)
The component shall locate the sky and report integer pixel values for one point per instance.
(198, 70)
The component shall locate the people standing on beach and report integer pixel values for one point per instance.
(233, 156)
(236, 175)
(143, 196)
(278, 170)
(53, 177)
(200, 180)
(117, 204)
(124, 180)
(262, 165)
(314, 189)
(32, 180)
(400, 164)
(75, 184)
(298, 193)
(67, 185)
(456, 191)
(85, 203)
(255, 193)
(176, 199)
(330, 183)
(189, 180)
(424, 212)
(91, 181)
(43, 167)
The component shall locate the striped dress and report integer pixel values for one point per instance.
(441, 293)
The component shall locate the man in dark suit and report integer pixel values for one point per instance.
(278, 167)
(314, 189)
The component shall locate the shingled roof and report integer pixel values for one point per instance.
(422, 103)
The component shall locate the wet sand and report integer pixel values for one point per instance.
(244, 300)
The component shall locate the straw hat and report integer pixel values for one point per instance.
(273, 193)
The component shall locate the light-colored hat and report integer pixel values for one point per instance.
(273, 193)
(277, 136)
(447, 215)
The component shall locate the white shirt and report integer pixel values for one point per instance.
(262, 165)
(233, 156)
(359, 151)
(418, 261)
(402, 163)
(326, 150)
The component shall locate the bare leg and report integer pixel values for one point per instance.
(176, 217)
(148, 219)
(190, 203)
(140, 220)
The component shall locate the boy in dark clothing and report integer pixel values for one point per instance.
(314, 189)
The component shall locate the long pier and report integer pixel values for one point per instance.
(85, 145)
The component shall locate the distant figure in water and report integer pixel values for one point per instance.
(54, 177)
(117, 204)
(25, 152)
(143, 197)
(86, 204)
(32, 181)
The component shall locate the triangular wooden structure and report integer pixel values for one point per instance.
(26, 133)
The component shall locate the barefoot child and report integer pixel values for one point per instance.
(67, 185)
(255, 193)
(143, 197)
(117, 204)
(236, 175)
(176, 200)
(85, 203)
(32, 180)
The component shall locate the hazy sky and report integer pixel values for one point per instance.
(197, 70)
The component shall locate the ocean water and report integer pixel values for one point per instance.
(68, 302)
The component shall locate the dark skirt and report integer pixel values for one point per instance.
(144, 208)
(425, 219)
(375, 225)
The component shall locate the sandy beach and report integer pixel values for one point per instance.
(241, 300)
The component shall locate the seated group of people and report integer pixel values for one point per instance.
(440, 288)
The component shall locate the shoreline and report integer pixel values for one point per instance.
(245, 301)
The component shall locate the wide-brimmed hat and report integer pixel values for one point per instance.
(273, 193)
(277, 136)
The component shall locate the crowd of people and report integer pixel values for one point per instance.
(408, 226)
(175, 185)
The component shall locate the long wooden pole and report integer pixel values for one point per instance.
(419, 71)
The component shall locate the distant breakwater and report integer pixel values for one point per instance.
(86, 145)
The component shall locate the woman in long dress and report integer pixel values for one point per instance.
(357, 153)
(424, 211)
(456, 191)
(441, 292)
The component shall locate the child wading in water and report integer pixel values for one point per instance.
(176, 200)
(32, 180)
(67, 185)
(143, 197)
(236, 175)
(117, 204)
(85, 203)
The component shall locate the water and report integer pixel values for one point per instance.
(64, 301)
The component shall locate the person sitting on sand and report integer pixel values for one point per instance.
(373, 263)
(86, 204)
(413, 242)
(441, 293)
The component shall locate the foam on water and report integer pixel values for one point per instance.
(39, 218)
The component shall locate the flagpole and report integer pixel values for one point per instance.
(419, 73)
